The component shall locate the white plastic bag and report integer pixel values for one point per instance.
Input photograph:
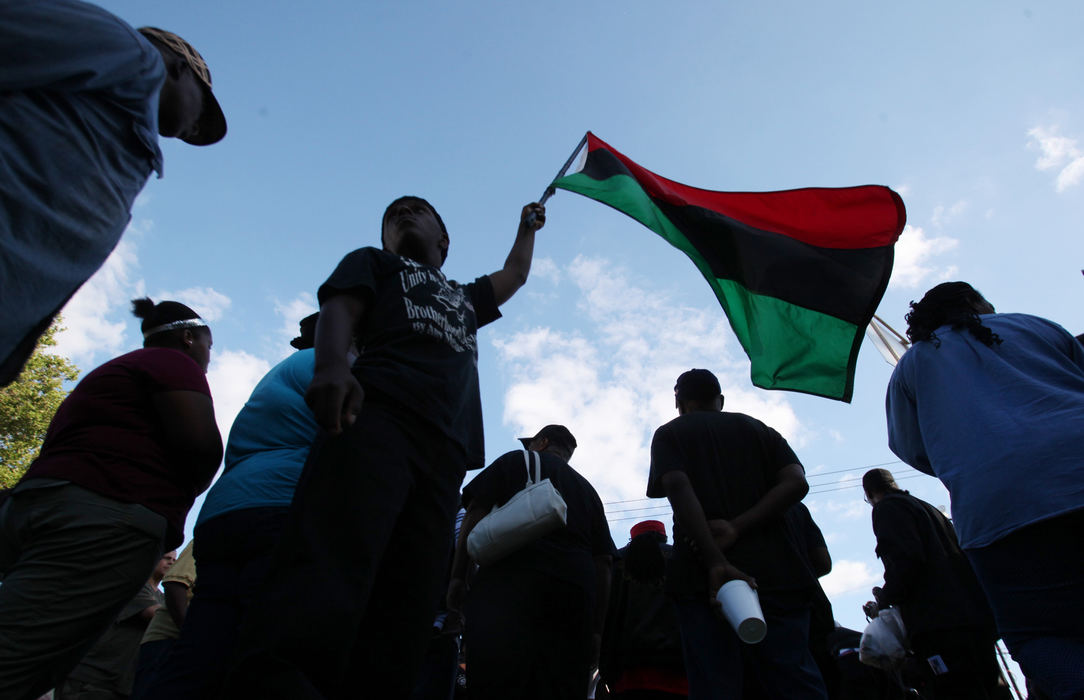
(884, 643)
(529, 515)
(885, 640)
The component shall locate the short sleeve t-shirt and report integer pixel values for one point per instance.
(111, 662)
(269, 442)
(418, 340)
(107, 437)
(183, 572)
(566, 553)
(804, 533)
(731, 460)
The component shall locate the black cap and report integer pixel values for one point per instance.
(556, 434)
(697, 385)
(307, 327)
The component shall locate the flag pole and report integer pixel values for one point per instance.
(896, 333)
(564, 169)
(550, 191)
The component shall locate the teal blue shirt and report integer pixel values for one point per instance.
(269, 442)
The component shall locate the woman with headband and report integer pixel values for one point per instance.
(125, 456)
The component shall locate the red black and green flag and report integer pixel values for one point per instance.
(799, 273)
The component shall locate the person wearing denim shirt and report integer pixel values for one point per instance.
(80, 116)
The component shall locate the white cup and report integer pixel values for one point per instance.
(741, 606)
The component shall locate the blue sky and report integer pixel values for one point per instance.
(971, 110)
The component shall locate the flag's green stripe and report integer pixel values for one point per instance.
(623, 193)
(789, 347)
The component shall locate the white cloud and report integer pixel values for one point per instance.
(913, 262)
(546, 269)
(1057, 152)
(291, 312)
(233, 375)
(850, 509)
(943, 215)
(849, 576)
(612, 383)
(92, 329)
(205, 301)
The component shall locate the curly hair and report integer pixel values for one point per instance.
(950, 303)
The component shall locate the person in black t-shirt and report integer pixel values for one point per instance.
(358, 573)
(730, 479)
(928, 577)
(534, 619)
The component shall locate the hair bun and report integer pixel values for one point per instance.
(142, 308)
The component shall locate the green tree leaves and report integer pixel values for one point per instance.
(27, 406)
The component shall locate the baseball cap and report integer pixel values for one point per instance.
(212, 122)
(557, 434)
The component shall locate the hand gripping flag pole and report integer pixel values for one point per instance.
(550, 191)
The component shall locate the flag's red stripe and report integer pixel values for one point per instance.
(847, 217)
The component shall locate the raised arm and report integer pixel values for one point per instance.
(335, 396)
(507, 280)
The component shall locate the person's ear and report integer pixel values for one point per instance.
(188, 338)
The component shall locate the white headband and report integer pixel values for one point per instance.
(186, 323)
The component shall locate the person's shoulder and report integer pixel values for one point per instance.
(1024, 323)
(897, 503)
(160, 358)
(370, 254)
(566, 468)
(734, 421)
(299, 364)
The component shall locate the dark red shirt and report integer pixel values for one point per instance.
(107, 436)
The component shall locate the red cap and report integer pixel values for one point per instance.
(647, 526)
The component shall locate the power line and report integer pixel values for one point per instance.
(844, 488)
(663, 509)
(810, 476)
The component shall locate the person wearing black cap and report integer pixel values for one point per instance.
(730, 479)
(357, 575)
(85, 98)
(927, 577)
(534, 619)
(125, 455)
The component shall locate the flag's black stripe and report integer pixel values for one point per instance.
(836, 281)
(840, 282)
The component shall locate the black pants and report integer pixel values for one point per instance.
(233, 553)
(354, 584)
(527, 636)
(970, 670)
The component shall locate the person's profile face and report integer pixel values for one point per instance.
(200, 347)
(411, 229)
(180, 101)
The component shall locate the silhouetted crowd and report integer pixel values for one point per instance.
(331, 557)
